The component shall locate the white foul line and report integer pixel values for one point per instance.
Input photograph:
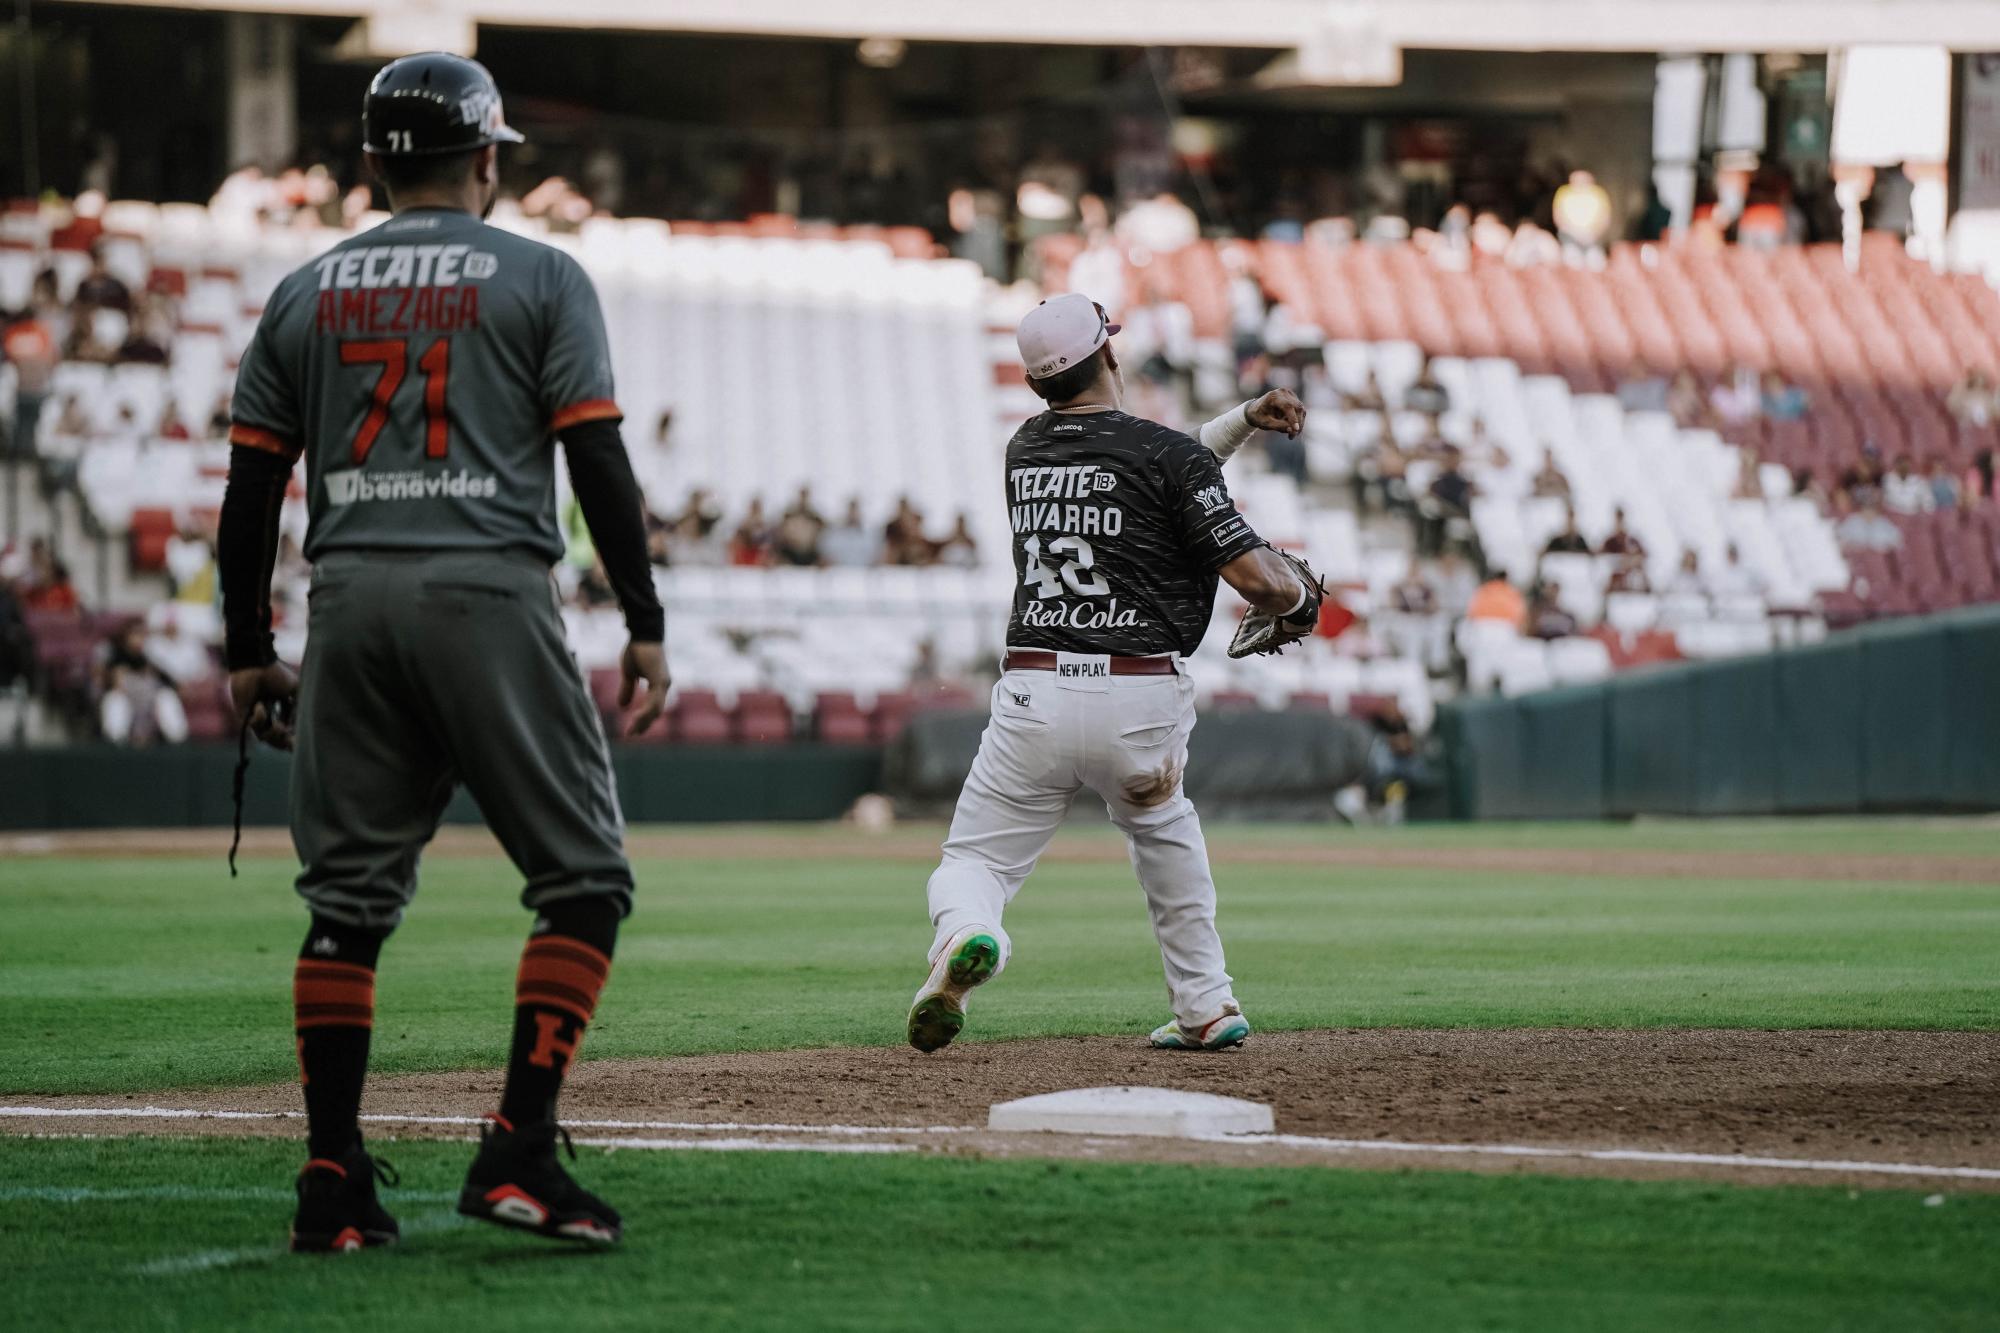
(742, 1144)
(745, 1145)
(1611, 1155)
(683, 1126)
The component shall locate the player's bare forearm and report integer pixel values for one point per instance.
(1263, 579)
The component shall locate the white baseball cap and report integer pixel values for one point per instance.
(1061, 332)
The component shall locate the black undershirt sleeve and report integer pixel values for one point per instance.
(601, 474)
(246, 543)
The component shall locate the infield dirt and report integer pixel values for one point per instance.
(1930, 1098)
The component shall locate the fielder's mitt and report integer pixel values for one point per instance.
(1263, 632)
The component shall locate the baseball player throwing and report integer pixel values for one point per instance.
(1121, 527)
(425, 369)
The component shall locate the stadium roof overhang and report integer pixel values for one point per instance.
(1357, 37)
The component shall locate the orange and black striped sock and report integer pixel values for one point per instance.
(333, 1004)
(563, 970)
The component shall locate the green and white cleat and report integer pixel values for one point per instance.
(969, 960)
(1227, 1029)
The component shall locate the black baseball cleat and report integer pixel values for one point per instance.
(517, 1182)
(338, 1210)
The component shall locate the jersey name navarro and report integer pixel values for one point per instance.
(1119, 526)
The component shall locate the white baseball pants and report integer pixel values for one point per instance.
(1125, 738)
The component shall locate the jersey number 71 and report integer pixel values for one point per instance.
(393, 355)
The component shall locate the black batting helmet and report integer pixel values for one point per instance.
(432, 103)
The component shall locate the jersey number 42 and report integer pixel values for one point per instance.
(1075, 572)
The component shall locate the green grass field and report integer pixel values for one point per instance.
(126, 974)
(798, 1241)
(130, 975)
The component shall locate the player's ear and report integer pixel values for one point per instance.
(1110, 358)
(486, 164)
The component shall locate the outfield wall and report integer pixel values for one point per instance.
(1898, 716)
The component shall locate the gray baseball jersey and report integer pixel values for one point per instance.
(423, 369)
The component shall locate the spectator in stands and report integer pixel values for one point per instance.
(1643, 390)
(1629, 576)
(1455, 583)
(96, 335)
(1568, 540)
(1739, 398)
(218, 417)
(1973, 400)
(1413, 594)
(1685, 401)
(796, 542)
(1622, 541)
(1687, 580)
(191, 566)
(31, 347)
(1448, 501)
(1944, 486)
(1978, 483)
(137, 704)
(1498, 600)
(1654, 218)
(903, 540)
(959, 548)
(1546, 617)
(1532, 247)
(148, 335)
(1865, 527)
(849, 544)
(1450, 247)
(1863, 481)
(47, 586)
(170, 426)
(1749, 476)
(1491, 236)
(750, 544)
(1550, 483)
(1734, 579)
(1427, 395)
(71, 426)
(181, 658)
(802, 506)
(978, 217)
(100, 288)
(1380, 478)
(1782, 401)
(1583, 219)
(1905, 490)
(1368, 398)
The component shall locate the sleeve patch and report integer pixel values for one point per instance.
(1232, 530)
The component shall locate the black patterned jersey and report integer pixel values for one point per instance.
(1119, 527)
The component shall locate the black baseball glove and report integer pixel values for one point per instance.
(1264, 632)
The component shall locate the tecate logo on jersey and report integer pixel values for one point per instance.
(367, 267)
(357, 487)
(1078, 615)
(1070, 481)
